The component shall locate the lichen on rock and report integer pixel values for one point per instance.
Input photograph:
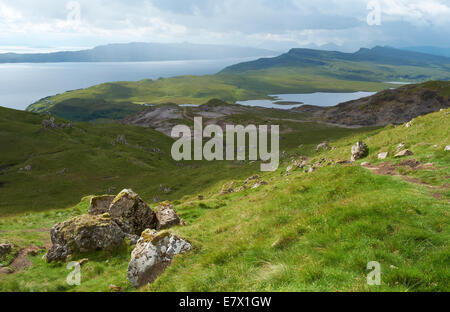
(83, 234)
(100, 204)
(131, 213)
(153, 254)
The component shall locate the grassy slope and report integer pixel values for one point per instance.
(93, 164)
(301, 232)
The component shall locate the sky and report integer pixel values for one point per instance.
(346, 25)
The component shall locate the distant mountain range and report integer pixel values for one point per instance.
(311, 58)
(139, 52)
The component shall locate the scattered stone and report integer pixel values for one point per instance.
(290, 168)
(84, 234)
(400, 147)
(323, 146)
(164, 189)
(5, 249)
(153, 254)
(63, 172)
(447, 148)
(359, 151)
(167, 216)
(6, 270)
(100, 204)
(364, 164)
(27, 168)
(121, 139)
(252, 178)
(383, 156)
(200, 197)
(83, 261)
(258, 184)
(50, 123)
(409, 124)
(131, 213)
(311, 169)
(300, 163)
(114, 288)
(156, 199)
(404, 153)
(228, 188)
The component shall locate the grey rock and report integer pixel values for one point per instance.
(121, 139)
(323, 146)
(383, 156)
(5, 249)
(447, 148)
(84, 234)
(400, 147)
(131, 213)
(404, 153)
(100, 204)
(152, 255)
(359, 151)
(167, 216)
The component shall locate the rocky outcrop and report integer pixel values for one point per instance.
(167, 216)
(131, 213)
(153, 253)
(359, 151)
(100, 204)
(50, 123)
(84, 234)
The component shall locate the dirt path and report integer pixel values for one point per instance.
(392, 170)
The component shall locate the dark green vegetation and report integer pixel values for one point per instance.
(299, 71)
(138, 52)
(301, 232)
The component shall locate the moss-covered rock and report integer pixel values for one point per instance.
(131, 213)
(83, 234)
(100, 204)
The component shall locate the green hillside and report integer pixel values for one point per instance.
(300, 232)
(299, 71)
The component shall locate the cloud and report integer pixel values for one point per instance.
(266, 23)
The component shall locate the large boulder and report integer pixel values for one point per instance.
(100, 204)
(131, 213)
(153, 254)
(359, 151)
(84, 234)
(167, 216)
